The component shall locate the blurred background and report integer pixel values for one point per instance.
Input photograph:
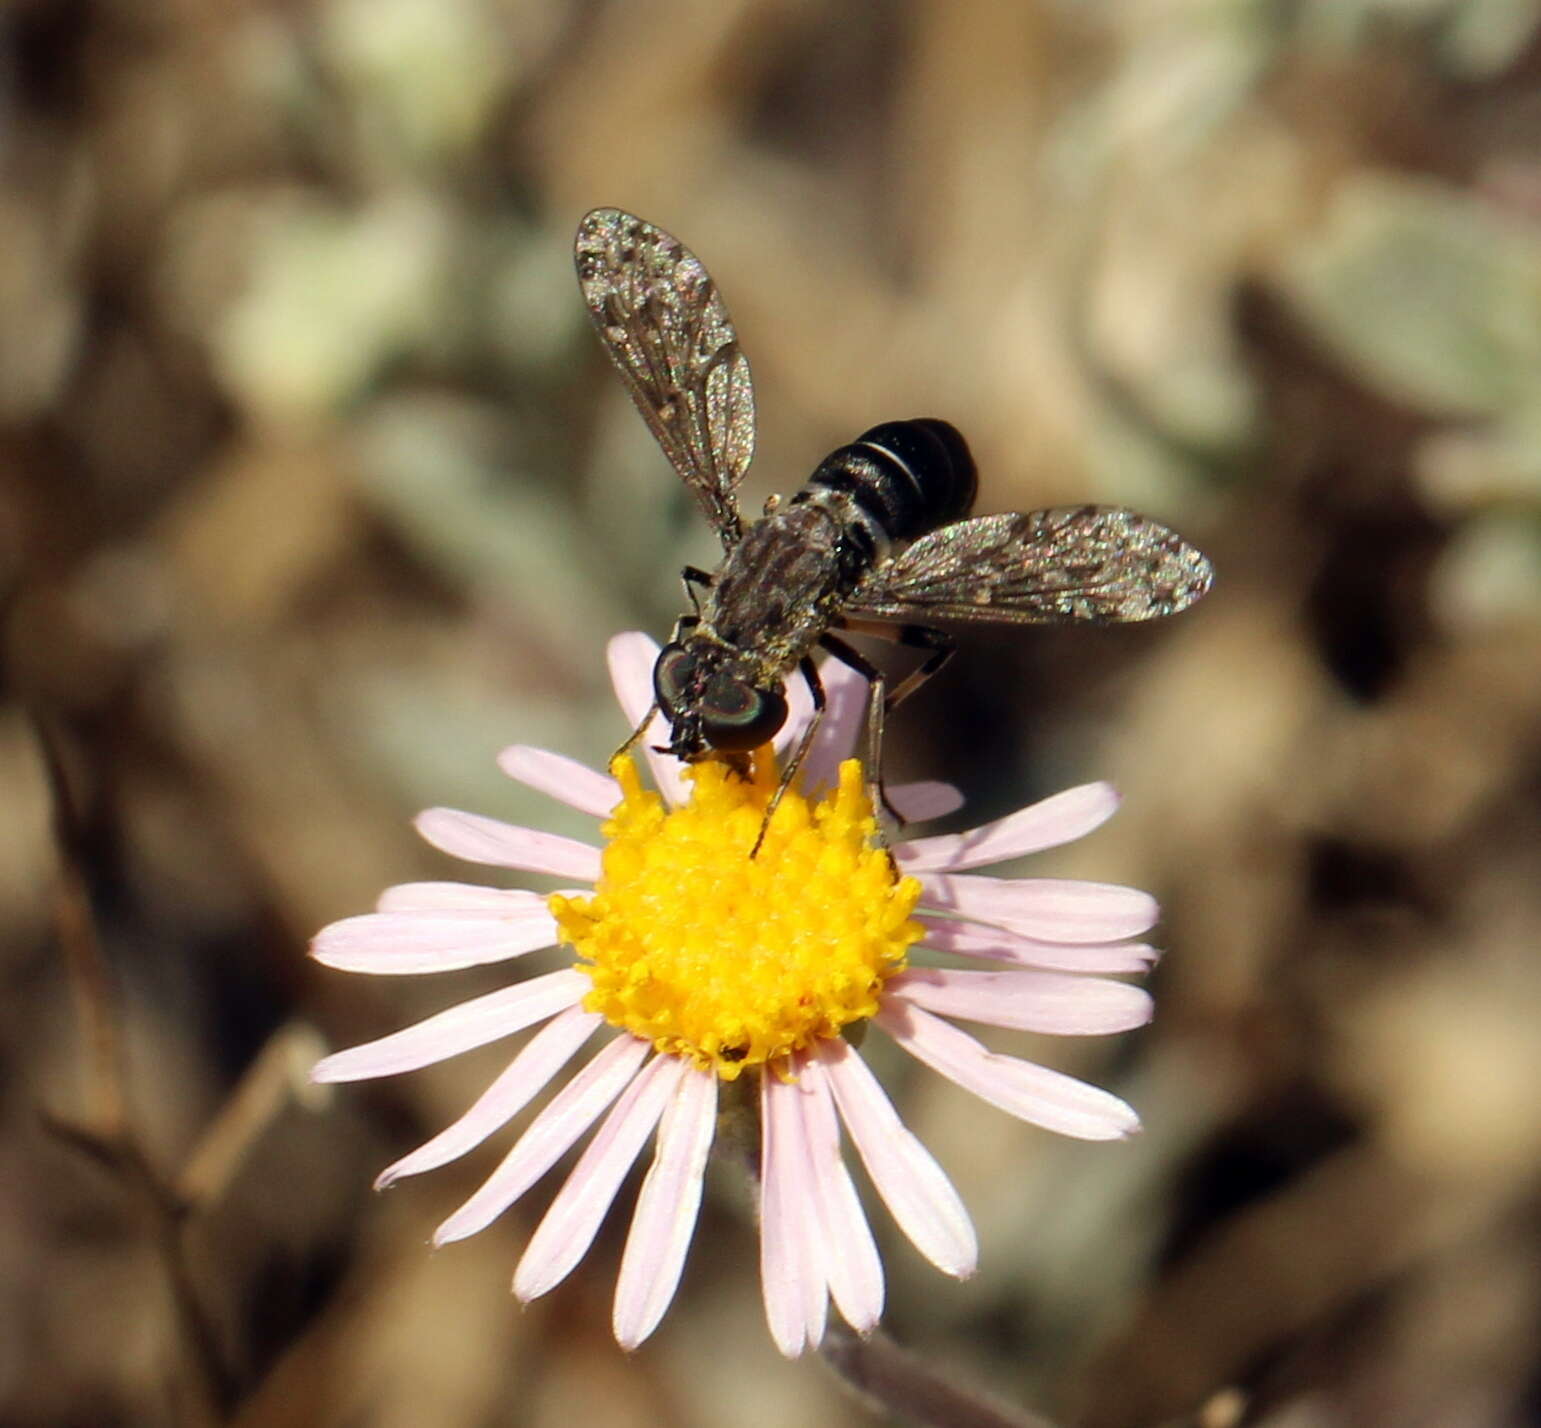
(316, 489)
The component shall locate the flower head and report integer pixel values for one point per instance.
(733, 962)
(702, 966)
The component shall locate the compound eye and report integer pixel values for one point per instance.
(737, 717)
(673, 672)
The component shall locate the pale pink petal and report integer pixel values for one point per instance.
(504, 845)
(631, 657)
(454, 897)
(917, 802)
(801, 1186)
(915, 1188)
(568, 1228)
(666, 1212)
(799, 711)
(967, 939)
(1051, 909)
(546, 1139)
(473, 1023)
(572, 783)
(1046, 824)
(397, 943)
(524, 1078)
(792, 1283)
(852, 1265)
(844, 718)
(780, 1281)
(1032, 1093)
(1049, 1002)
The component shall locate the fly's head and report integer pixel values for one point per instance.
(716, 700)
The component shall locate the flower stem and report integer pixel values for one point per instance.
(910, 1391)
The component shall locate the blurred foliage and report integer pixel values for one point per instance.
(315, 490)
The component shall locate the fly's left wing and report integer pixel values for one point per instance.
(660, 317)
(1093, 563)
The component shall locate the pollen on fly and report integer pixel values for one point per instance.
(876, 542)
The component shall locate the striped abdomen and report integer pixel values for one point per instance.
(895, 482)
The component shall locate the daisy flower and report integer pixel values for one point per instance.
(697, 967)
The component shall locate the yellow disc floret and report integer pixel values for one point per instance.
(733, 961)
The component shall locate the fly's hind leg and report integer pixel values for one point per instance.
(940, 646)
(880, 700)
(877, 706)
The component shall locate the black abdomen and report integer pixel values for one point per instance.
(903, 478)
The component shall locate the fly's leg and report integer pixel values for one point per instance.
(877, 706)
(631, 738)
(941, 646)
(681, 626)
(694, 576)
(810, 675)
(880, 700)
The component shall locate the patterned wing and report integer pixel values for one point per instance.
(659, 315)
(1094, 563)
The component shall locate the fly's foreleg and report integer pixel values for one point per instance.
(682, 625)
(695, 580)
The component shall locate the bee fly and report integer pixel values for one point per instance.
(876, 534)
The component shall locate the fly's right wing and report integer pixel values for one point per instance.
(660, 317)
(1093, 563)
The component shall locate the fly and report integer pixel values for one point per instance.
(876, 542)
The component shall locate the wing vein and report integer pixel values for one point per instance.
(664, 325)
(1100, 564)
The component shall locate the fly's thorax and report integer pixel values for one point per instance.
(781, 585)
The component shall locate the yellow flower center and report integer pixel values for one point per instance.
(732, 961)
